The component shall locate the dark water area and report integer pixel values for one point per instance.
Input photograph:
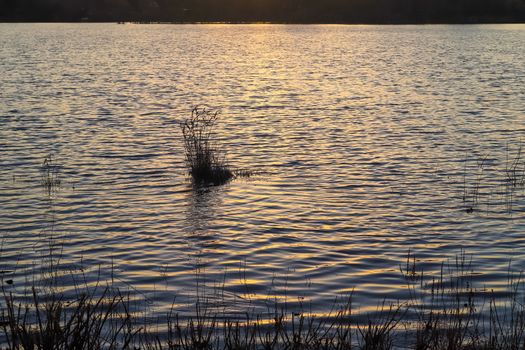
(372, 141)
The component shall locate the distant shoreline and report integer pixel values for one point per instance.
(3, 21)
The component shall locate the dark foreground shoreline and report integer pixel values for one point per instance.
(446, 312)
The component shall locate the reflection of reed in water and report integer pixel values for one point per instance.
(200, 238)
(201, 216)
(201, 211)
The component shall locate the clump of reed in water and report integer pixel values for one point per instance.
(206, 162)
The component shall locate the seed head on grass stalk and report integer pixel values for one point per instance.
(204, 159)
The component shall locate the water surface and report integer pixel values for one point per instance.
(362, 132)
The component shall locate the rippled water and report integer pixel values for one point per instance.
(361, 132)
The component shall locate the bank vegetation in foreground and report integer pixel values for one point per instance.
(445, 312)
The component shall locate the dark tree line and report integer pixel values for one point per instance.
(299, 11)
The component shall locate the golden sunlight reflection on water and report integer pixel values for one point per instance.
(360, 134)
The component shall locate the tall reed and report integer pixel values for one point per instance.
(206, 162)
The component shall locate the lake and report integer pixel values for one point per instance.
(367, 141)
